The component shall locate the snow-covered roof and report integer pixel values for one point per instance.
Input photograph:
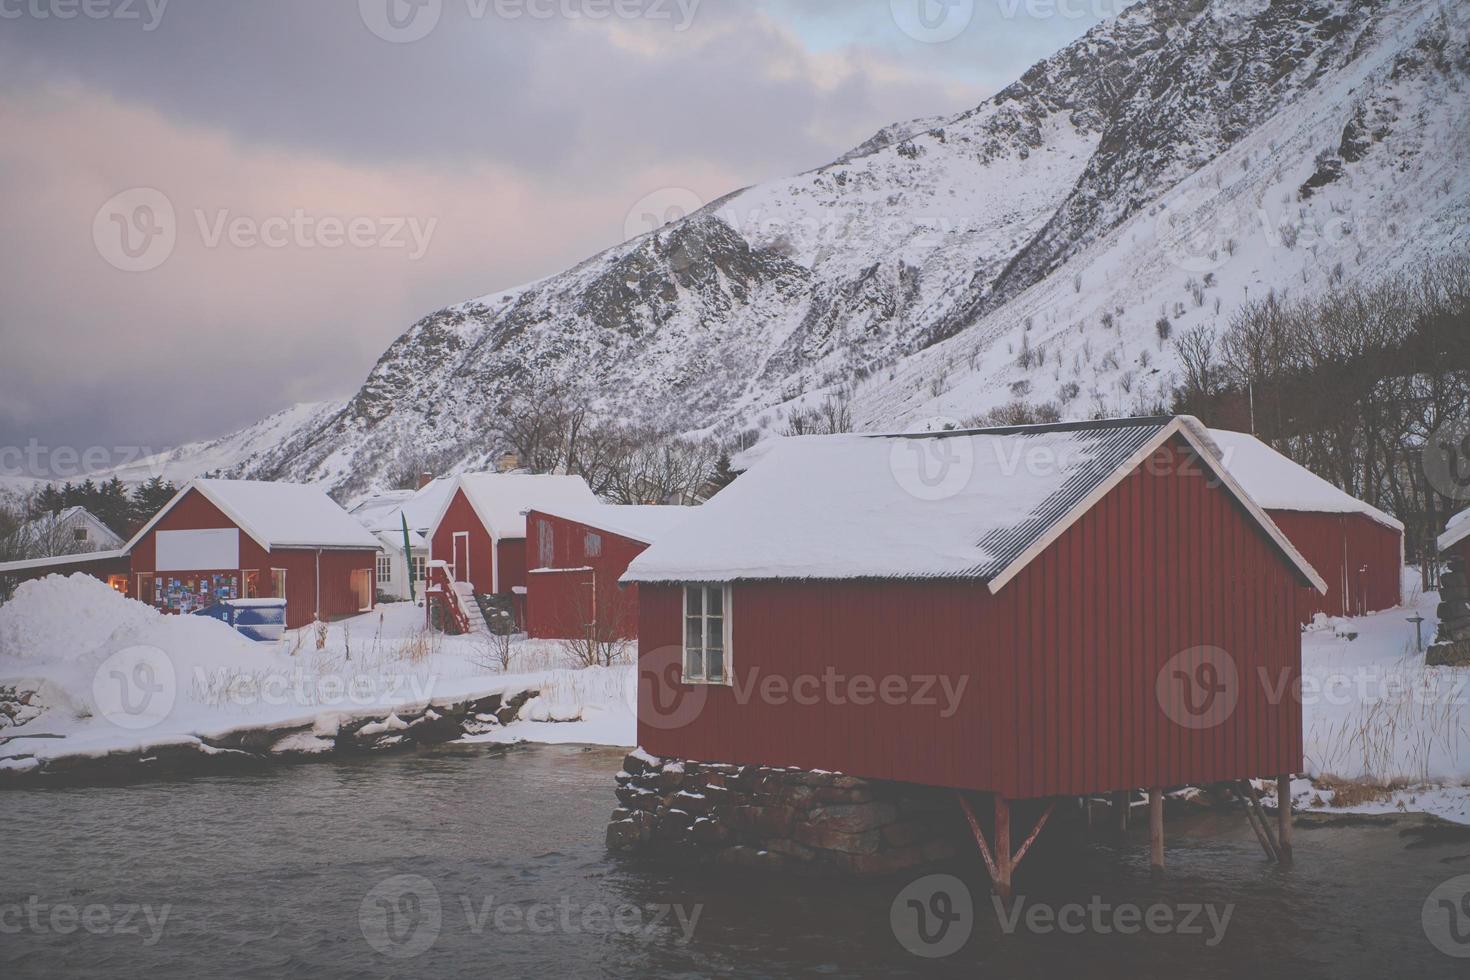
(641, 522)
(1456, 530)
(276, 515)
(502, 499)
(380, 511)
(386, 511)
(81, 557)
(977, 504)
(47, 525)
(1279, 483)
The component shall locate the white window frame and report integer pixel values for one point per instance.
(726, 620)
(417, 566)
(385, 569)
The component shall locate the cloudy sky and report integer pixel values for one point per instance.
(217, 208)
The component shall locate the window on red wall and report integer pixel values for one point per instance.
(592, 545)
(545, 548)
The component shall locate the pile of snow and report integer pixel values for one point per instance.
(63, 618)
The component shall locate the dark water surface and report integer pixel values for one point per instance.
(299, 872)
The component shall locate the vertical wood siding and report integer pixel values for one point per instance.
(1059, 670)
(1361, 560)
(460, 516)
(558, 604)
(195, 512)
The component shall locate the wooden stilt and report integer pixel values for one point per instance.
(1004, 861)
(1121, 806)
(1253, 817)
(1261, 816)
(1000, 863)
(1035, 832)
(1156, 828)
(979, 835)
(1283, 817)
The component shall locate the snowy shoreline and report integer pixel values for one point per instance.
(90, 680)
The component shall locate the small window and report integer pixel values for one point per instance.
(385, 568)
(79, 534)
(593, 545)
(545, 545)
(418, 568)
(278, 583)
(706, 634)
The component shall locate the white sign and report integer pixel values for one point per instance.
(195, 551)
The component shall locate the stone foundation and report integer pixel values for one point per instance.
(1451, 647)
(759, 816)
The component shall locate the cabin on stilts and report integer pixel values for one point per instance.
(1115, 612)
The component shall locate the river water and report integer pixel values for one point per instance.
(478, 862)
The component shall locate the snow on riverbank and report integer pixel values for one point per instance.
(111, 675)
(1382, 730)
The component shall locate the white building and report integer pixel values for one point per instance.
(383, 514)
(74, 530)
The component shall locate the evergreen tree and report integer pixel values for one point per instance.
(148, 499)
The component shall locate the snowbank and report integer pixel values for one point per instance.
(92, 673)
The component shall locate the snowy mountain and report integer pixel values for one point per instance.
(1178, 160)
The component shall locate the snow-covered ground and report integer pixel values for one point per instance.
(113, 675)
(1374, 715)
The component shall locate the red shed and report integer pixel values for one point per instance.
(1456, 537)
(1031, 612)
(109, 566)
(251, 539)
(1357, 548)
(576, 556)
(481, 529)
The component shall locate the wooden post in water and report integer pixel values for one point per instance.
(1283, 817)
(1156, 828)
(1003, 858)
(1120, 810)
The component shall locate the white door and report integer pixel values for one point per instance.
(461, 556)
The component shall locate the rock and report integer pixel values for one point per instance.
(707, 831)
(760, 821)
(828, 839)
(1451, 654)
(853, 818)
(638, 762)
(623, 835)
(695, 803)
(791, 849)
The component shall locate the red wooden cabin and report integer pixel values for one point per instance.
(481, 529)
(255, 539)
(1106, 599)
(1356, 548)
(577, 555)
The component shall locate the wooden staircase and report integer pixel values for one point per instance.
(444, 605)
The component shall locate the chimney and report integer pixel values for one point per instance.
(508, 462)
(425, 479)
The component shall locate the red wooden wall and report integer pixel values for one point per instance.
(460, 516)
(98, 569)
(1060, 669)
(558, 605)
(337, 596)
(195, 512)
(1361, 560)
(512, 564)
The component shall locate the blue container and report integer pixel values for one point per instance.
(255, 619)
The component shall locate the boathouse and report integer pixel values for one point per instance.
(480, 530)
(577, 554)
(1105, 605)
(1356, 548)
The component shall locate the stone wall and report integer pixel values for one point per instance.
(1451, 647)
(782, 818)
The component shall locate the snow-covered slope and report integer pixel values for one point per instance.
(1173, 163)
